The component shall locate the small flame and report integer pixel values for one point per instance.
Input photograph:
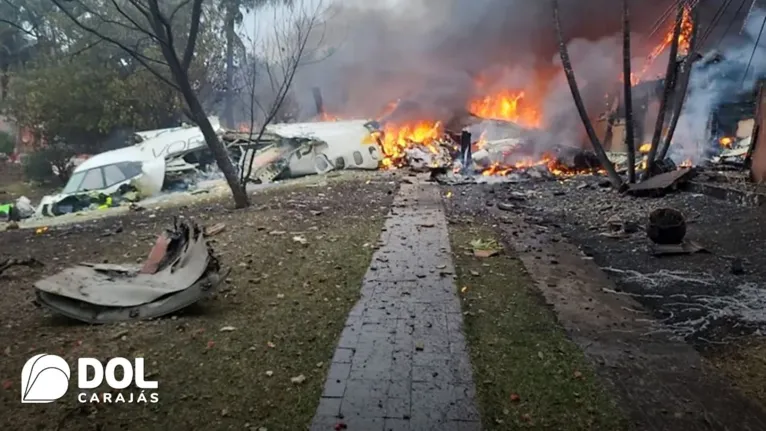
(324, 116)
(645, 148)
(684, 43)
(726, 142)
(549, 161)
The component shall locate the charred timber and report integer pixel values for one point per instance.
(670, 78)
(628, 97)
(614, 178)
(683, 85)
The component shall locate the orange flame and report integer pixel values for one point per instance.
(324, 116)
(726, 142)
(506, 105)
(549, 161)
(395, 138)
(684, 42)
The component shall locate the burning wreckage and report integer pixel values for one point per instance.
(172, 159)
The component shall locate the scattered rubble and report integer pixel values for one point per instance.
(180, 270)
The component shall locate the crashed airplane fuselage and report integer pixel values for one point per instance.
(300, 149)
(142, 166)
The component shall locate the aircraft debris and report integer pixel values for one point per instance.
(181, 270)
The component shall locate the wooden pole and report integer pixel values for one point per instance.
(614, 178)
(630, 141)
(683, 86)
(669, 85)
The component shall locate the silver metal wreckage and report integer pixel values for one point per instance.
(180, 270)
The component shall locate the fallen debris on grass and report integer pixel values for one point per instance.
(9, 263)
(482, 248)
(179, 271)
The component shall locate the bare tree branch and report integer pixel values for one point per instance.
(193, 32)
(138, 57)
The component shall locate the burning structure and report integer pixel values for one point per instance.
(425, 80)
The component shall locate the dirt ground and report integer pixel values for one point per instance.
(714, 301)
(227, 362)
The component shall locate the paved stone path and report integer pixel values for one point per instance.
(402, 363)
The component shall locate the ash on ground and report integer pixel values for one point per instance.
(707, 297)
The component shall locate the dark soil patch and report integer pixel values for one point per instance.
(661, 381)
(702, 298)
(286, 301)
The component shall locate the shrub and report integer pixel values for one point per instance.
(7, 143)
(38, 165)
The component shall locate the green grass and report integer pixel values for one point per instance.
(284, 304)
(528, 374)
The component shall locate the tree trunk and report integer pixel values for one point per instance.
(228, 107)
(683, 86)
(670, 78)
(630, 141)
(221, 156)
(567, 65)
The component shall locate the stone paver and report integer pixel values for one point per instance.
(402, 363)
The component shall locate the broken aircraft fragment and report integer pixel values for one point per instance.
(181, 270)
(299, 149)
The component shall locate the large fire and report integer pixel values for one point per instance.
(513, 105)
(395, 139)
(506, 105)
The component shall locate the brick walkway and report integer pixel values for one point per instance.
(402, 362)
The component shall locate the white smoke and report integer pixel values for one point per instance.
(713, 83)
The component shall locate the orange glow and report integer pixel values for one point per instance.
(726, 142)
(548, 160)
(686, 164)
(684, 42)
(395, 138)
(328, 117)
(645, 148)
(506, 105)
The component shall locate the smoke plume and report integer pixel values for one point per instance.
(433, 52)
(720, 81)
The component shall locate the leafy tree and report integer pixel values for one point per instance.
(7, 143)
(162, 37)
(80, 101)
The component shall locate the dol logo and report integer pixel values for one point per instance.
(45, 378)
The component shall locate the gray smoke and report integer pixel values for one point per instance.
(430, 52)
(713, 83)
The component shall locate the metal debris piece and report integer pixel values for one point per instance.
(185, 273)
(660, 184)
(685, 247)
(215, 229)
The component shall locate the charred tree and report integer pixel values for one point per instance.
(670, 81)
(230, 20)
(630, 142)
(683, 86)
(614, 178)
(146, 17)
